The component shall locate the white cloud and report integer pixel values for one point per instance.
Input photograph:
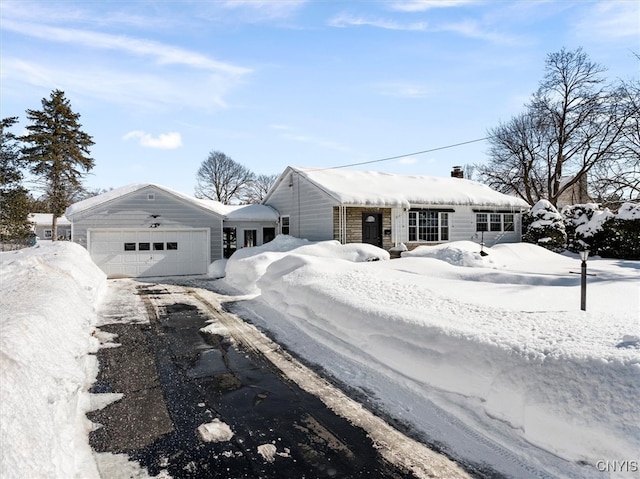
(422, 5)
(162, 53)
(267, 9)
(164, 141)
(611, 20)
(466, 28)
(345, 20)
(133, 89)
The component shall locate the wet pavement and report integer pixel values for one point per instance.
(175, 378)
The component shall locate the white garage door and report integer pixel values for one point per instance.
(150, 252)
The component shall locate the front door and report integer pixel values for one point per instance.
(372, 228)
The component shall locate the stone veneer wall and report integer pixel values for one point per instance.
(354, 224)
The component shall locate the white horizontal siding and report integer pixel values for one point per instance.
(310, 209)
(136, 210)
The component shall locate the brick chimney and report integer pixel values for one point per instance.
(457, 172)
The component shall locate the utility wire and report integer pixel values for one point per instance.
(405, 155)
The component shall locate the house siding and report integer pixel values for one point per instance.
(310, 209)
(135, 210)
(462, 226)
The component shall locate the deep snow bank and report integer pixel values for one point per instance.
(247, 265)
(562, 380)
(47, 300)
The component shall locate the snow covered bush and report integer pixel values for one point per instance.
(603, 232)
(544, 226)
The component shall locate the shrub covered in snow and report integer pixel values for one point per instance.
(603, 232)
(544, 226)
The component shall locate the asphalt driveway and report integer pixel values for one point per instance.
(175, 378)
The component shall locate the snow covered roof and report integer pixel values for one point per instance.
(231, 212)
(46, 219)
(373, 188)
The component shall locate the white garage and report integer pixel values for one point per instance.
(150, 252)
(150, 230)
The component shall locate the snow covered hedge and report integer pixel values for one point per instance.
(603, 232)
(585, 226)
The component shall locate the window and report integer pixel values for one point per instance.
(508, 222)
(129, 246)
(495, 222)
(158, 246)
(482, 222)
(48, 234)
(151, 196)
(172, 246)
(284, 225)
(428, 225)
(144, 246)
(250, 238)
(229, 243)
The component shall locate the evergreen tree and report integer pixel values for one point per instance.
(14, 201)
(58, 152)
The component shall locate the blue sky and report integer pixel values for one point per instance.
(160, 84)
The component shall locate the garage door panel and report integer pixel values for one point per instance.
(187, 252)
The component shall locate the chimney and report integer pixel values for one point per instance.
(457, 172)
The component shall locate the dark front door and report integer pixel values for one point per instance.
(372, 228)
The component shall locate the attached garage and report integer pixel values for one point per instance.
(150, 252)
(149, 230)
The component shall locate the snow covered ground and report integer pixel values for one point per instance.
(496, 342)
(490, 357)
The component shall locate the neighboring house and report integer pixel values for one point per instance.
(576, 194)
(387, 209)
(149, 230)
(43, 228)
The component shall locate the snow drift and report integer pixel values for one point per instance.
(48, 298)
(498, 340)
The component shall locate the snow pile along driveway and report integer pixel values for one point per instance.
(498, 342)
(48, 295)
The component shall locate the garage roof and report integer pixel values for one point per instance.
(230, 212)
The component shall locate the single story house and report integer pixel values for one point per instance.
(150, 230)
(42, 226)
(388, 209)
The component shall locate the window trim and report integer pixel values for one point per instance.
(287, 226)
(441, 228)
(490, 224)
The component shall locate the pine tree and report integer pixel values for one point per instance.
(14, 201)
(58, 152)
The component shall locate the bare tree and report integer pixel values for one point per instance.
(573, 124)
(222, 179)
(618, 181)
(258, 188)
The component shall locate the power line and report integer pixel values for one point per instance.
(407, 154)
